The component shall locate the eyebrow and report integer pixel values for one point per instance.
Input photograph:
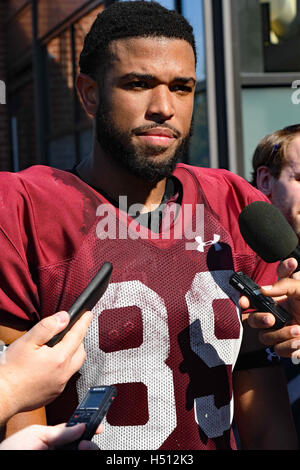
(141, 76)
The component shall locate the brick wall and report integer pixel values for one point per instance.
(66, 113)
(82, 27)
(61, 76)
(61, 92)
(25, 114)
(61, 84)
(5, 152)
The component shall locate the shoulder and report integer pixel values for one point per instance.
(52, 208)
(37, 178)
(221, 186)
(42, 185)
(226, 194)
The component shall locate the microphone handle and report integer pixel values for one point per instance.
(295, 254)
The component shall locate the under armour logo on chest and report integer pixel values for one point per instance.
(202, 244)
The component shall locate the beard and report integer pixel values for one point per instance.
(139, 162)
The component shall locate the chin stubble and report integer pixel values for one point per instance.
(119, 147)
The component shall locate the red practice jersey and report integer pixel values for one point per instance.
(167, 332)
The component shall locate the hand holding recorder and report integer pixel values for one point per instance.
(286, 340)
(35, 368)
(268, 233)
(38, 437)
(91, 411)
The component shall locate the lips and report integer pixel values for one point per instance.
(158, 136)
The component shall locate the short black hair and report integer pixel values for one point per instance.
(128, 20)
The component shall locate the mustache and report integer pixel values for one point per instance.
(149, 127)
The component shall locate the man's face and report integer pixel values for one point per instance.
(145, 106)
(285, 192)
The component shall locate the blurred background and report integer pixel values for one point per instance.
(249, 57)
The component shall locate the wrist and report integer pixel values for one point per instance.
(8, 404)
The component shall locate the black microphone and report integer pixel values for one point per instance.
(266, 230)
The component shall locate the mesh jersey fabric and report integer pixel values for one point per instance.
(167, 332)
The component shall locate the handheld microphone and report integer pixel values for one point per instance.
(266, 230)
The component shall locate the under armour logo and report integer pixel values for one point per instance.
(202, 244)
(271, 354)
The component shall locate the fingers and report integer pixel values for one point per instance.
(287, 267)
(289, 349)
(261, 320)
(41, 333)
(286, 341)
(87, 445)
(60, 434)
(74, 337)
(286, 286)
(78, 359)
(273, 337)
(244, 302)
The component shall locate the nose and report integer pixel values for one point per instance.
(161, 104)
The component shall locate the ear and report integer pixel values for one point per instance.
(264, 180)
(87, 89)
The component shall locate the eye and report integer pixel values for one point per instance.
(138, 85)
(182, 89)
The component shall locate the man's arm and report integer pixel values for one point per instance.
(262, 409)
(8, 335)
(23, 420)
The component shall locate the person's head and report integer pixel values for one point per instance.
(276, 171)
(138, 80)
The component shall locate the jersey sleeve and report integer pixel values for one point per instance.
(19, 300)
(45, 215)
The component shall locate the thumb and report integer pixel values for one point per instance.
(43, 331)
(286, 268)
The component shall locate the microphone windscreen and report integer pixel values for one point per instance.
(266, 230)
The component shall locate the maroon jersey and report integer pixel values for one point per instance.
(167, 332)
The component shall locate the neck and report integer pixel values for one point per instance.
(108, 176)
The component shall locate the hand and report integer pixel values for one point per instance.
(33, 374)
(286, 341)
(48, 438)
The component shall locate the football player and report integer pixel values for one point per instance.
(168, 331)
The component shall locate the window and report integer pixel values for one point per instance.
(265, 110)
(193, 11)
(269, 35)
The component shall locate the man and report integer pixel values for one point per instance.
(167, 331)
(276, 173)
